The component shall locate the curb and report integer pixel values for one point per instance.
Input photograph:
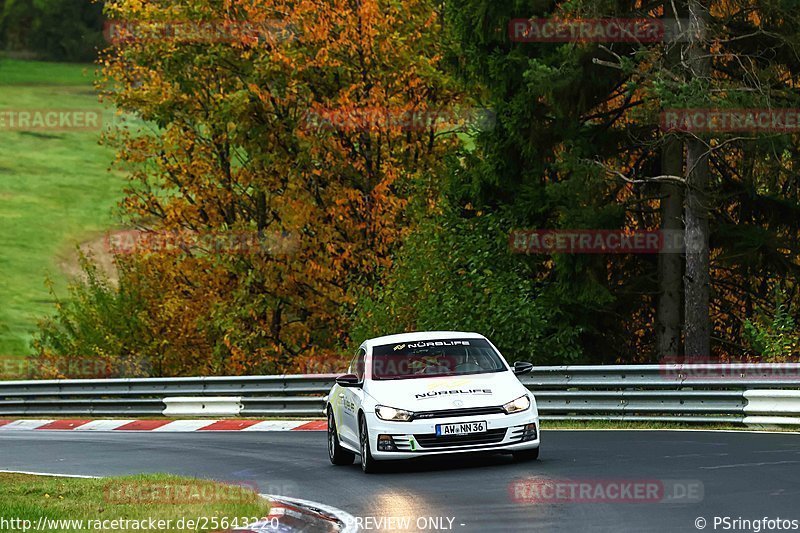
(169, 426)
(294, 514)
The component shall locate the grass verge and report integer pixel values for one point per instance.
(55, 192)
(73, 504)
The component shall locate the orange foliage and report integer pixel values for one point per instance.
(233, 147)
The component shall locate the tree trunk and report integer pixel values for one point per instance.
(697, 281)
(670, 262)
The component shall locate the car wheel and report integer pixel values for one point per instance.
(368, 464)
(338, 455)
(526, 455)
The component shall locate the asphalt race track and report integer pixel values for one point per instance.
(747, 475)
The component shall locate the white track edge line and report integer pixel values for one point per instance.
(47, 474)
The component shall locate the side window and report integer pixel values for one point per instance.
(360, 359)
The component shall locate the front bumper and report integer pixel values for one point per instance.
(418, 438)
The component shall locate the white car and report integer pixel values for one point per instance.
(431, 393)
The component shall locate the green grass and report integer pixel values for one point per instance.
(27, 73)
(144, 497)
(55, 192)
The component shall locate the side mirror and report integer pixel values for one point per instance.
(521, 367)
(348, 380)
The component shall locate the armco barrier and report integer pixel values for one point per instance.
(682, 393)
(772, 407)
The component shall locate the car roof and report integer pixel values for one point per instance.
(421, 336)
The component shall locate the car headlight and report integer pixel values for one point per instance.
(515, 406)
(392, 414)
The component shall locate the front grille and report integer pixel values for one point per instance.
(431, 440)
(452, 413)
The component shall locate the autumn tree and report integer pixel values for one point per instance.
(305, 125)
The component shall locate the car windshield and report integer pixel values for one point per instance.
(425, 359)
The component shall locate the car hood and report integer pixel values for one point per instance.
(449, 392)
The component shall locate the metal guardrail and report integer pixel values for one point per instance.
(684, 393)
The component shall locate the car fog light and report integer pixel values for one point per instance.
(386, 443)
(529, 432)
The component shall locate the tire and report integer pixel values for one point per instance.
(338, 455)
(368, 464)
(526, 455)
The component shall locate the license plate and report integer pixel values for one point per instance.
(464, 428)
